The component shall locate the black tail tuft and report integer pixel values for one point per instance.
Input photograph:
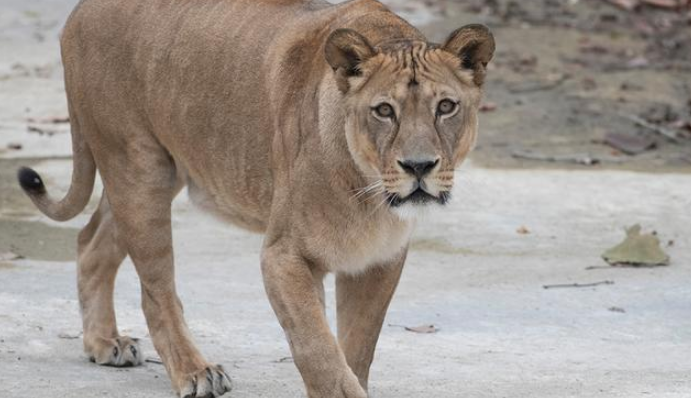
(30, 181)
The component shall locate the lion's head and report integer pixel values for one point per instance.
(411, 109)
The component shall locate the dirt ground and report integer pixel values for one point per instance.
(568, 73)
(568, 77)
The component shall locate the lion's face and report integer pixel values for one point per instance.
(411, 119)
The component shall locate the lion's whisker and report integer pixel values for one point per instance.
(363, 191)
(373, 194)
(388, 198)
(368, 187)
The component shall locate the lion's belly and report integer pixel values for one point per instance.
(248, 217)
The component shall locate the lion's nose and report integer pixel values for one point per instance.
(417, 168)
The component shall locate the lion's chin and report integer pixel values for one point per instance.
(413, 212)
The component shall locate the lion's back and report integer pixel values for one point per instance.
(201, 76)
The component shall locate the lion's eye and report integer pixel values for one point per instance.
(446, 107)
(384, 110)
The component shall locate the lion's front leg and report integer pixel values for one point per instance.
(295, 297)
(362, 302)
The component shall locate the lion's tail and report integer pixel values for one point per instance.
(83, 176)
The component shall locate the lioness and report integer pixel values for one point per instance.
(326, 127)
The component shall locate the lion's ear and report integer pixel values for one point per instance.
(474, 45)
(345, 50)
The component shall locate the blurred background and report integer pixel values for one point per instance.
(585, 131)
(597, 83)
(579, 82)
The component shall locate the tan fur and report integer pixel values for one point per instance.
(264, 110)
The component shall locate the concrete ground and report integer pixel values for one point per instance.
(470, 273)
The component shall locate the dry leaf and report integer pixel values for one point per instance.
(9, 256)
(488, 107)
(630, 144)
(68, 336)
(50, 120)
(424, 329)
(628, 5)
(664, 3)
(637, 250)
(523, 230)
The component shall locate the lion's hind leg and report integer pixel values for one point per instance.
(101, 251)
(141, 183)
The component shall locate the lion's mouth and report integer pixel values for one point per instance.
(419, 197)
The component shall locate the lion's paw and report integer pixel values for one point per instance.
(207, 383)
(346, 387)
(350, 388)
(120, 352)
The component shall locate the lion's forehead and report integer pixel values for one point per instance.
(421, 60)
(418, 65)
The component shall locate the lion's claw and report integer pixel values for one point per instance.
(210, 382)
(118, 352)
